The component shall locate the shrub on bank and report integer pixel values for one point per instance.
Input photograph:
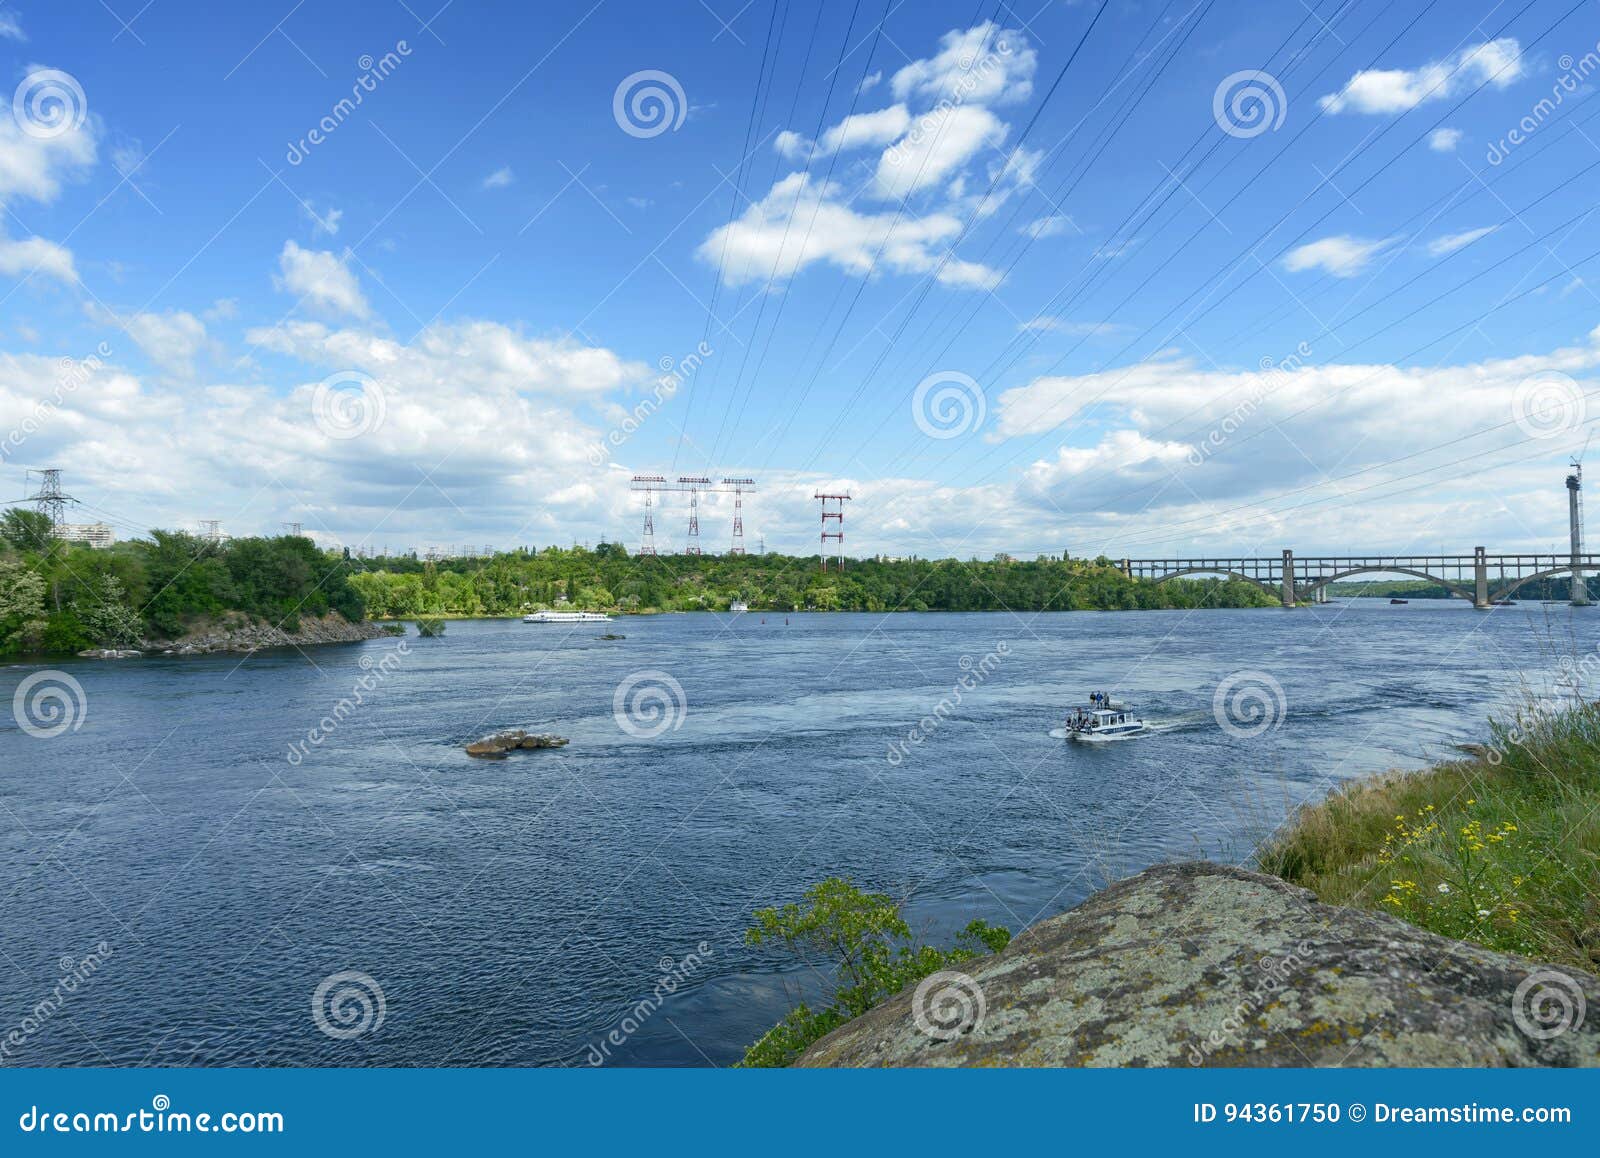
(1502, 849)
(861, 944)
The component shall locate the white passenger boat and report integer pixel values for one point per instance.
(738, 605)
(567, 617)
(1099, 724)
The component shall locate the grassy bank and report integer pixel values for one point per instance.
(1502, 849)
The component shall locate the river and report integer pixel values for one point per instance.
(220, 840)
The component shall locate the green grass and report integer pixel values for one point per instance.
(1501, 849)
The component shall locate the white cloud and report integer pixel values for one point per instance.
(36, 167)
(1451, 242)
(497, 416)
(945, 140)
(983, 65)
(320, 278)
(35, 255)
(1444, 140)
(11, 27)
(861, 130)
(500, 178)
(1142, 452)
(1049, 226)
(932, 138)
(1110, 250)
(870, 81)
(1342, 256)
(322, 223)
(760, 244)
(495, 357)
(171, 340)
(1094, 474)
(1398, 90)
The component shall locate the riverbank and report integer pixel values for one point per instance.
(1501, 849)
(1447, 916)
(244, 633)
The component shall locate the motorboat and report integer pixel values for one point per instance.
(738, 605)
(1398, 602)
(567, 617)
(1099, 724)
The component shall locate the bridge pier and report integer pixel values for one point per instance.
(1480, 579)
(1288, 578)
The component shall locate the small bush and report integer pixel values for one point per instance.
(862, 940)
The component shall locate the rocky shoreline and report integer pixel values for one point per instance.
(241, 634)
(1207, 965)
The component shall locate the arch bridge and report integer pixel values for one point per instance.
(1295, 579)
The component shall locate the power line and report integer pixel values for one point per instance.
(733, 206)
(1249, 251)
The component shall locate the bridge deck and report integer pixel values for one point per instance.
(1294, 575)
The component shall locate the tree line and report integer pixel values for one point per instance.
(61, 597)
(66, 597)
(607, 578)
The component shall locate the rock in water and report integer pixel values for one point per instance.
(543, 740)
(1201, 964)
(496, 745)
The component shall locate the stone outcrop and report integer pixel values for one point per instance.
(497, 744)
(241, 633)
(1201, 964)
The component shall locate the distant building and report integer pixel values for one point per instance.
(97, 535)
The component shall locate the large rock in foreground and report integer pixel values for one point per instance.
(1200, 964)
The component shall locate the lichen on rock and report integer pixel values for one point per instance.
(1203, 964)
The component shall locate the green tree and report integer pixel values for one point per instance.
(106, 617)
(865, 940)
(25, 530)
(22, 617)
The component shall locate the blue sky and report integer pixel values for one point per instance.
(1154, 277)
